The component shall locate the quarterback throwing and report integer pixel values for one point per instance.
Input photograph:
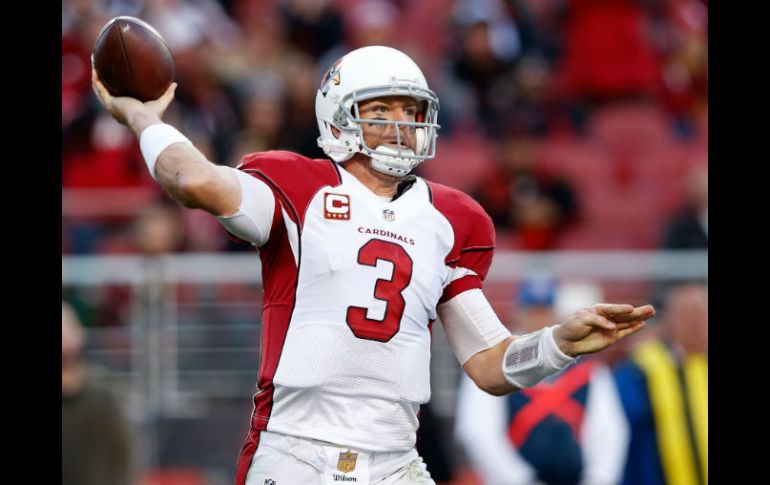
(359, 258)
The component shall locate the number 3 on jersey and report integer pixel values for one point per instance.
(389, 291)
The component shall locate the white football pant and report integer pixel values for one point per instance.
(286, 460)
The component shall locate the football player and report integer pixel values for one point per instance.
(359, 257)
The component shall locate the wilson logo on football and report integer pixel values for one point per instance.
(337, 206)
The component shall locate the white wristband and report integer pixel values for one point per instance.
(156, 138)
(532, 357)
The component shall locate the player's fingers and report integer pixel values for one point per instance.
(160, 105)
(169, 94)
(640, 313)
(95, 78)
(94, 81)
(99, 89)
(594, 320)
(612, 309)
(631, 329)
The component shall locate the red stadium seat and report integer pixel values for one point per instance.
(630, 127)
(460, 162)
(605, 50)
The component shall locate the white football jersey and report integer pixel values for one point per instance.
(351, 286)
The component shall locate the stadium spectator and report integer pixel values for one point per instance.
(208, 106)
(488, 45)
(339, 382)
(569, 429)
(684, 74)
(218, 51)
(97, 152)
(520, 196)
(606, 52)
(96, 436)
(187, 26)
(526, 101)
(312, 26)
(262, 100)
(368, 22)
(300, 78)
(664, 389)
(275, 110)
(689, 229)
(99, 156)
(81, 23)
(159, 229)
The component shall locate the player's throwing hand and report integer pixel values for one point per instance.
(122, 108)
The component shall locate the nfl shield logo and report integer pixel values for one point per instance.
(347, 461)
(388, 214)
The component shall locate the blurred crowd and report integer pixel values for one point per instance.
(577, 124)
(562, 117)
(635, 415)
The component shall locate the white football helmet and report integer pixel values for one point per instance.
(373, 72)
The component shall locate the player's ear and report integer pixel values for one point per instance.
(335, 131)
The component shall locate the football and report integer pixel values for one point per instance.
(132, 59)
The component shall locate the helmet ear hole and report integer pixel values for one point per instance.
(335, 131)
(339, 118)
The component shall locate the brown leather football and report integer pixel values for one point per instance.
(132, 59)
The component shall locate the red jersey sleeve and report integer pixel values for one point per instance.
(293, 178)
(474, 243)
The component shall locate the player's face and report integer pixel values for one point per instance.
(390, 108)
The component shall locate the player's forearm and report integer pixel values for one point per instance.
(190, 179)
(485, 369)
(517, 362)
(184, 172)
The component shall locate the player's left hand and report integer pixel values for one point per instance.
(597, 327)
